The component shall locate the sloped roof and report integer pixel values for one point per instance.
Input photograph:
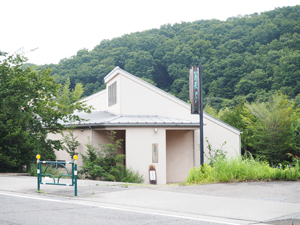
(117, 70)
(105, 119)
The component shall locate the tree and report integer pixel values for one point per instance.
(70, 143)
(210, 110)
(141, 64)
(28, 112)
(67, 97)
(104, 164)
(245, 55)
(236, 118)
(274, 131)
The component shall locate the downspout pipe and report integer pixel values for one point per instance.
(91, 135)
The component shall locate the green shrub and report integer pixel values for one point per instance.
(105, 164)
(215, 154)
(129, 176)
(89, 167)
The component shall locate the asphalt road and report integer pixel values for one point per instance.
(101, 202)
(20, 210)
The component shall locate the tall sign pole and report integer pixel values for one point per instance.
(197, 101)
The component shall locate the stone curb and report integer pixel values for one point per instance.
(13, 174)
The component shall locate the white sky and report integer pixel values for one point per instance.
(59, 28)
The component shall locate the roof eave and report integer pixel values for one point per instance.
(133, 125)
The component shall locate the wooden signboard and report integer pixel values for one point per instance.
(154, 153)
(195, 89)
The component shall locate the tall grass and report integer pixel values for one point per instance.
(241, 169)
(130, 176)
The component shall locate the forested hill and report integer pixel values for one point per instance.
(249, 56)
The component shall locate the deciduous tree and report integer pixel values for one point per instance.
(28, 112)
(274, 132)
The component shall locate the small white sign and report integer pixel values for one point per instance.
(152, 175)
(38, 171)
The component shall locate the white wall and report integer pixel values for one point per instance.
(139, 151)
(218, 135)
(138, 99)
(99, 101)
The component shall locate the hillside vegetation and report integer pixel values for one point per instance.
(250, 56)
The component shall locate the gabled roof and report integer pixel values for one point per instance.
(105, 119)
(140, 81)
(118, 70)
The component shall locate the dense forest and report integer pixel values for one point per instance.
(249, 56)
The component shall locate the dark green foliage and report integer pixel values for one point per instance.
(275, 128)
(89, 163)
(28, 112)
(236, 118)
(250, 56)
(270, 129)
(105, 163)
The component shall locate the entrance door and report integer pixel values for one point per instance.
(180, 154)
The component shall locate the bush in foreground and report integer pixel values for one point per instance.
(242, 169)
(105, 164)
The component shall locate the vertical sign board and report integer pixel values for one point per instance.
(196, 101)
(195, 91)
(154, 153)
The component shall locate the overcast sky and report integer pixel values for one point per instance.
(59, 28)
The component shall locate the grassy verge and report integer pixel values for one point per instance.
(241, 169)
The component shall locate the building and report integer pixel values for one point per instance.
(156, 127)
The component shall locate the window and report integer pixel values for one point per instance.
(112, 94)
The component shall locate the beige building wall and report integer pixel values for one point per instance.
(180, 154)
(139, 151)
(82, 138)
